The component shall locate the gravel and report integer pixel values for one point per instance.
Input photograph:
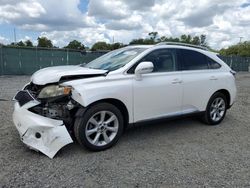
(176, 153)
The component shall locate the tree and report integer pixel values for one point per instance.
(197, 40)
(240, 49)
(11, 44)
(166, 39)
(153, 36)
(137, 41)
(28, 43)
(100, 46)
(74, 44)
(44, 42)
(186, 39)
(203, 40)
(20, 43)
(116, 45)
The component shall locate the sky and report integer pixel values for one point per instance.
(89, 21)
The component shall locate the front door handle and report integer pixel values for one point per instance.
(176, 81)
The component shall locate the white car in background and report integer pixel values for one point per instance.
(95, 102)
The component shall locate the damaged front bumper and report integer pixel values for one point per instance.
(38, 132)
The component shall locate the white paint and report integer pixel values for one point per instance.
(54, 134)
(53, 74)
(155, 95)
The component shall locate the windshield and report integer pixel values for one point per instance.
(115, 59)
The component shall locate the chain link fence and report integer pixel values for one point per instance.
(25, 61)
(237, 63)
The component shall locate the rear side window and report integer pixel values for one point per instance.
(192, 60)
(213, 64)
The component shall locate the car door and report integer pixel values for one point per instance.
(158, 94)
(199, 80)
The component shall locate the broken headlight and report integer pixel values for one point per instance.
(54, 91)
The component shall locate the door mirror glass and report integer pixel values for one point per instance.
(143, 68)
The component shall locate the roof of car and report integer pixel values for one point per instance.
(184, 44)
(172, 44)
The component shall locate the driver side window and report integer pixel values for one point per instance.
(163, 60)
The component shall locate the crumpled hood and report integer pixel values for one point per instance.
(54, 74)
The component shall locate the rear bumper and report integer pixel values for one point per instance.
(38, 132)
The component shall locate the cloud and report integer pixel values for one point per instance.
(203, 17)
(3, 40)
(108, 9)
(44, 15)
(131, 23)
(139, 4)
(16, 10)
(62, 21)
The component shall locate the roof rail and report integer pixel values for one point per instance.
(183, 44)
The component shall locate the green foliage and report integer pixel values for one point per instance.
(154, 39)
(105, 46)
(20, 43)
(153, 36)
(44, 42)
(100, 46)
(74, 44)
(11, 44)
(203, 40)
(28, 43)
(137, 41)
(116, 45)
(240, 49)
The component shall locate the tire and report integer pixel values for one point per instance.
(216, 109)
(99, 127)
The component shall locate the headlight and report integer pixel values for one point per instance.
(53, 91)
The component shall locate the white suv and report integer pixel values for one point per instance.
(95, 102)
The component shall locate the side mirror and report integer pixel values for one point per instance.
(143, 68)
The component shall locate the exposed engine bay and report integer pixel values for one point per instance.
(45, 109)
(59, 107)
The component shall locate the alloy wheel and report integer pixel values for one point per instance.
(217, 109)
(102, 128)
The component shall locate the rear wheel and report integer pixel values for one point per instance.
(99, 127)
(216, 109)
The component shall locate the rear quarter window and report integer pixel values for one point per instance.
(213, 64)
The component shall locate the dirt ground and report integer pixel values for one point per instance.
(176, 153)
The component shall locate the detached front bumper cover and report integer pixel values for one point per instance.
(38, 132)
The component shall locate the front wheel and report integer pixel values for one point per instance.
(216, 109)
(99, 127)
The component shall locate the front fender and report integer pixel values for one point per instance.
(122, 91)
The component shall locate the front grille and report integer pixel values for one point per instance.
(23, 97)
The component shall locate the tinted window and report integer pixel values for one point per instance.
(213, 64)
(163, 60)
(192, 60)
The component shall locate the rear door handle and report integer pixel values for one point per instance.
(213, 78)
(176, 81)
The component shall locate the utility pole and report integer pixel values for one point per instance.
(241, 38)
(15, 35)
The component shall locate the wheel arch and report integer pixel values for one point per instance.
(117, 103)
(227, 95)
